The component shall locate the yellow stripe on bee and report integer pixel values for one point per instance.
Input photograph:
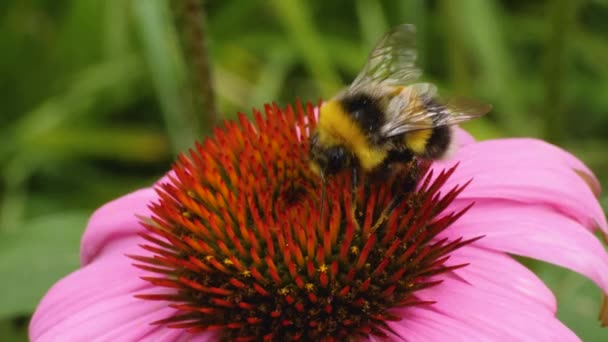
(416, 140)
(336, 127)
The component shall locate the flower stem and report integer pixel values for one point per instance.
(189, 17)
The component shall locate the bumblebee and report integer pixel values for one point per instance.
(384, 117)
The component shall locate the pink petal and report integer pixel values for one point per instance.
(523, 285)
(528, 171)
(179, 335)
(462, 137)
(537, 232)
(96, 302)
(539, 217)
(421, 324)
(477, 304)
(307, 131)
(113, 222)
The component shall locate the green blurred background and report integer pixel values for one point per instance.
(98, 96)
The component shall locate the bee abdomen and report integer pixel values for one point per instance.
(438, 143)
(365, 111)
(434, 143)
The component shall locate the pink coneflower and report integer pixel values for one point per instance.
(231, 246)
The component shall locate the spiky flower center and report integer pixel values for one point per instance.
(237, 235)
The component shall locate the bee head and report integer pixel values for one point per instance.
(327, 161)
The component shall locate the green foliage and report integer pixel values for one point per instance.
(97, 98)
(50, 246)
(577, 299)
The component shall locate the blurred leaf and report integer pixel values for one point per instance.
(592, 151)
(595, 51)
(114, 79)
(561, 21)
(128, 144)
(296, 17)
(223, 19)
(232, 87)
(458, 67)
(479, 23)
(32, 260)
(483, 129)
(116, 28)
(55, 190)
(14, 197)
(372, 21)
(78, 26)
(166, 65)
(578, 301)
(13, 329)
(348, 56)
(272, 76)
(416, 12)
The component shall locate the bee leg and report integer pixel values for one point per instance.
(385, 214)
(355, 180)
(355, 185)
(409, 183)
(412, 176)
(408, 173)
(404, 169)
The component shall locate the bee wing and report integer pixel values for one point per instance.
(417, 107)
(392, 61)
